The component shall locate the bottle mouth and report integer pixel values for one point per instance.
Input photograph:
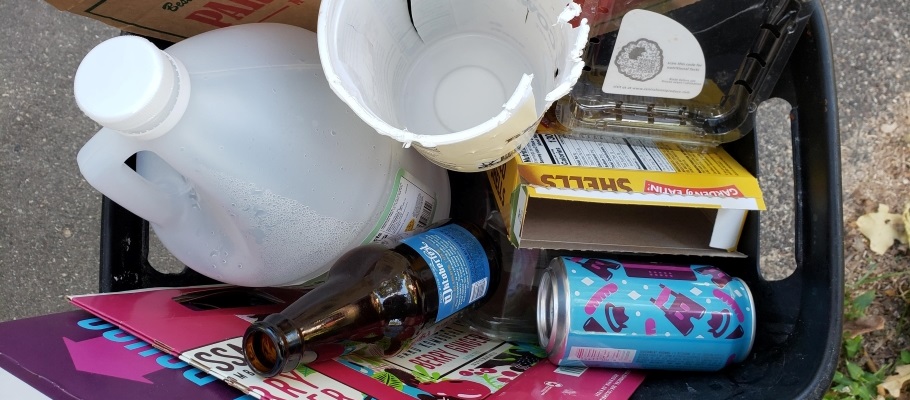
(267, 352)
(261, 351)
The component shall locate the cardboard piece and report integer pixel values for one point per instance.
(624, 195)
(175, 20)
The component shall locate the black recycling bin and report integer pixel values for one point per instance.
(798, 319)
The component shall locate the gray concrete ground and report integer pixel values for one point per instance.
(50, 217)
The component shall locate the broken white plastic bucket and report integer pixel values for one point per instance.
(464, 81)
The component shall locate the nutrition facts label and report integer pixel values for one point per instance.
(410, 207)
(635, 154)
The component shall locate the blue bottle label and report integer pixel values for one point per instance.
(459, 264)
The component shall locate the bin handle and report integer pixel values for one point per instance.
(102, 162)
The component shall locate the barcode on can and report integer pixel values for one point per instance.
(478, 289)
(601, 354)
(425, 214)
(571, 371)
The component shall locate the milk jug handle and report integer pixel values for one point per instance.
(101, 162)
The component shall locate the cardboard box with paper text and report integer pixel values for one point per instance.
(175, 20)
(627, 196)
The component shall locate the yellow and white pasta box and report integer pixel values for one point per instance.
(624, 195)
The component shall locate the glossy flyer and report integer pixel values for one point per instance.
(204, 325)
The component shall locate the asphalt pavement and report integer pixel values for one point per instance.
(50, 217)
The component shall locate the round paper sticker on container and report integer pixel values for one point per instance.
(465, 81)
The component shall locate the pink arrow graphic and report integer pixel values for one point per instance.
(104, 357)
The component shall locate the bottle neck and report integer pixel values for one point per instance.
(167, 116)
(273, 346)
(312, 328)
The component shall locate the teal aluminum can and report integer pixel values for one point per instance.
(606, 313)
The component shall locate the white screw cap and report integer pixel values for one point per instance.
(126, 84)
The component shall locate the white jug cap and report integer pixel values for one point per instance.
(127, 84)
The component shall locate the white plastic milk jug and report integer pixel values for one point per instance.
(250, 170)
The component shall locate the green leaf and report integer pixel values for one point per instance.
(853, 345)
(418, 369)
(879, 376)
(491, 381)
(840, 378)
(862, 302)
(856, 372)
(423, 375)
(831, 395)
(389, 380)
(863, 392)
(905, 357)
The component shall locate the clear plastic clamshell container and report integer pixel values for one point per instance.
(686, 71)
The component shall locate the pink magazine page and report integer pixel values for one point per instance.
(203, 327)
(546, 381)
(180, 319)
(453, 363)
(225, 361)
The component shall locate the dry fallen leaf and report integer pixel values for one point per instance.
(893, 383)
(863, 325)
(879, 228)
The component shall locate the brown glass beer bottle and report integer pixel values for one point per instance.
(379, 300)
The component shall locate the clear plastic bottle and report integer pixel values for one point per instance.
(250, 170)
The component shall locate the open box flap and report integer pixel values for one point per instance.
(555, 224)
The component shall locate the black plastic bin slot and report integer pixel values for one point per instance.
(798, 318)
